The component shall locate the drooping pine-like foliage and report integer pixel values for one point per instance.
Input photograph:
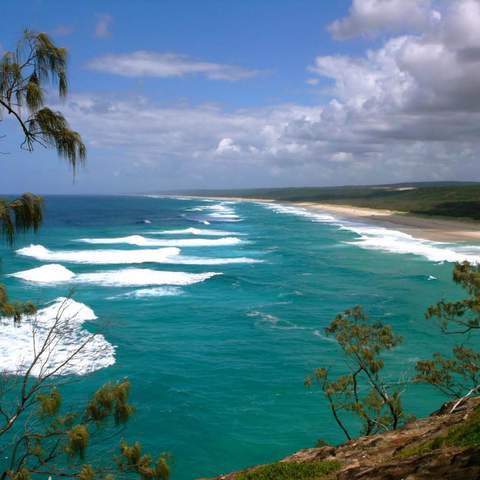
(50, 440)
(40, 437)
(363, 391)
(25, 73)
(456, 375)
(22, 214)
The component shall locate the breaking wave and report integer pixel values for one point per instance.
(135, 277)
(126, 277)
(18, 344)
(218, 212)
(150, 292)
(141, 241)
(53, 273)
(196, 231)
(169, 256)
(100, 257)
(387, 240)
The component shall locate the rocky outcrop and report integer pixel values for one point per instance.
(401, 454)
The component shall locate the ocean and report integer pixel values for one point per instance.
(215, 310)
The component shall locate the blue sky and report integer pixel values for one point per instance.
(218, 94)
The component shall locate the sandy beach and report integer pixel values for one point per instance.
(428, 228)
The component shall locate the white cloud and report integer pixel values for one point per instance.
(372, 17)
(152, 64)
(103, 26)
(226, 145)
(409, 109)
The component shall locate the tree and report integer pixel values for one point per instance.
(25, 73)
(39, 435)
(457, 375)
(363, 391)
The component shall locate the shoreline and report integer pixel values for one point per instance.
(426, 228)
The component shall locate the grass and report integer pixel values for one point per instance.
(464, 436)
(291, 471)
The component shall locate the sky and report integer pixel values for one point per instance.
(188, 94)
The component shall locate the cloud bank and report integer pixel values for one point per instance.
(408, 109)
(372, 17)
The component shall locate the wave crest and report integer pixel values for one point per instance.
(17, 343)
(140, 241)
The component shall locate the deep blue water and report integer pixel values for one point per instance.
(217, 364)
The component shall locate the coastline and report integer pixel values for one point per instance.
(426, 228)
(432, 229)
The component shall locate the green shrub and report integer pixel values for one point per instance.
(291, 471)
(464, 435)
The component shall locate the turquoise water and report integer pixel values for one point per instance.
(217, 362)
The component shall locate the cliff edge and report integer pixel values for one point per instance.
(444, 445)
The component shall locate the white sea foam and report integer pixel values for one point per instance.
(122, 278)
(182, 260)
(53, 273)
(137, 277)
(141, 241)
(100, 257)
(150, 292)
(196, 231)
(169, 256)
(17, 343)
(384, 239)
(393, 241)
(219, 212)
(302, 212)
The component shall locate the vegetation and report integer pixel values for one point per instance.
(465, 435)
(291, 471)
(24, 75)
(40, 436)
(457, 200)
(459, 374)
(363, 391)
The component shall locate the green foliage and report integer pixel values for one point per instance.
(463, 314)
(464, 435)
(87, 473)
(49, 402)
(22, 474)
(453, 376)
(132, 459)
(291, 471)
(111, 399)
(50, 442)
(448, 199)
(458, 374)
(362, 391)
(38, 439)
(14, 310)
(24, 74)
(78, 438)
(20, 215)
